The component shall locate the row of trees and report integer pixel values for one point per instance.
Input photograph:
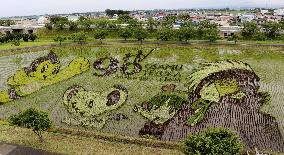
(267, 30)
(162, 30)
(7, 22)
(60, 23)
(83, 23)
(111, 13)
(15, 38)
(205, 31)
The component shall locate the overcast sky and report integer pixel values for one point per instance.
(38, 7)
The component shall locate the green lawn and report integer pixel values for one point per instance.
(48, 41)
(7, 46)
(72, 145)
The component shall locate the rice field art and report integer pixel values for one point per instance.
(150, 91)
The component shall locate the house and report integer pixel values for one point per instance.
(279, 12)
(227, 31)
(177, 25)
(19, 29)
(263, 12)
(247, 17)
(73, 18)
(43, 20)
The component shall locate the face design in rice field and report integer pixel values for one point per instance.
(210, 94)
(93, 108)
(162, 106)
(43, 68)
(42, 72)
(214, 91)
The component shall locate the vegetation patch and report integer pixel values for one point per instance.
(92, 109)
(42, 72)
(161, 107)
(225, 87)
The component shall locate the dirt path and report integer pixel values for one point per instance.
(12, 149)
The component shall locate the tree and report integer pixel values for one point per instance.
(2, 38)
(184, 17)
(125, 33)
(79, 37)
(259, 36)
(213, 142)
(85, 22)
(185, 33)
(100, 34)
(16, 36)
(49, 26)
(164, 34)
(57, 19)
(271, 29)
(249, 30)
(16, 42)
(151, 24)
(72, 25)
(204, 27)
(168, 22)
(111, 13)
(140, 34)
(282, 24)
(187, 24)
(7, 22)
(60, 25)
(33, 119)
(211, 34)
(134, 23)
(60, 39)
(33, 37)
(101, 23)
(26, 37)
(122, 12)
(235, 37)
(124, 18)
(59, 22)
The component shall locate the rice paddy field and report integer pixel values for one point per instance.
(140, 83)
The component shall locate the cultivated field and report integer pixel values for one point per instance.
(156, 67)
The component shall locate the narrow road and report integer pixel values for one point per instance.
(12, 149)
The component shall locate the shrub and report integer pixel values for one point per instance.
(165, 34)
(100, 34)
(79, 37)
(3, 122)
(49, 26)
(4, 96)
(60, 39)
(215, 141)
(259, 37)
(125, 33)
(16, 42)
(38, 121)
(33, 37)
(140, 34)
(26, 37)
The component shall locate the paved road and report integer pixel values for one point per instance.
(12, 149)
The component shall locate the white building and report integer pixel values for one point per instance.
(279, 12)
(264, 12)
(247, 17)
(22, 29)
(73, 18)
(43, 20)
(227, 31)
